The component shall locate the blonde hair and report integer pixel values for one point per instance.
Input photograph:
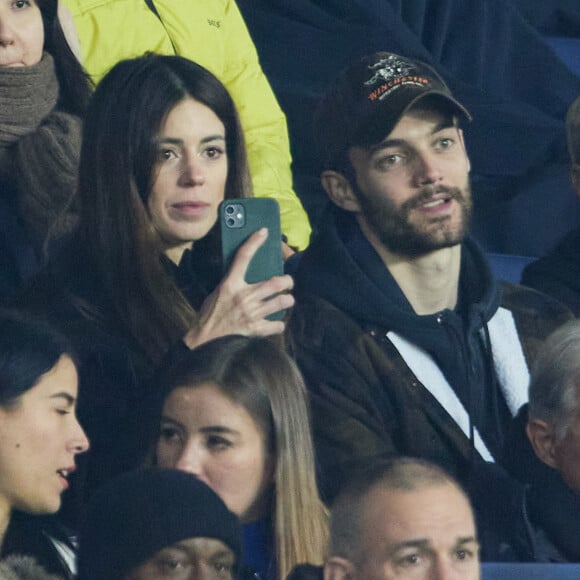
(256, 374)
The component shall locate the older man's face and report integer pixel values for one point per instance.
(567, 454)
(424, 534)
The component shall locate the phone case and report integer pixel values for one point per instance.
(239, 219)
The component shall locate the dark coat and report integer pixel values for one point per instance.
(558, 273)
(553, 509)
(366, 399)
(23, 568)
(35, 536)
(116, 394)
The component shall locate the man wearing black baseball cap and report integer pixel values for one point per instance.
(407, 342)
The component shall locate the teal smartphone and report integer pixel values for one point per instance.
(239, 219)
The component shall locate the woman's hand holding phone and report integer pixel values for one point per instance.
(236, 307)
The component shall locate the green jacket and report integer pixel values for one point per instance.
(213, 34)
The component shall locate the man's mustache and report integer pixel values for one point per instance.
(427, 194)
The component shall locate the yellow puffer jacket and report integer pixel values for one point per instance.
(213, 34)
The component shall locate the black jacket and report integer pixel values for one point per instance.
(558, 273)
(552, 508)
(115, 405)
(37, 537)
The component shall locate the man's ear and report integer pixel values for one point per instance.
(337, 568)
(543, 439)
(339, 190)
(575, 176)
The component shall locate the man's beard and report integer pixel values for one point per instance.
(392, 227)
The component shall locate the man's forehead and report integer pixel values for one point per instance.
(431, 119)
(421, 488)
(409, 515)
(426, 123)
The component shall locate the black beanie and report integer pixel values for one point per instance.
(134, 516)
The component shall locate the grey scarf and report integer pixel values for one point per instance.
(27, 95)
(39, 149)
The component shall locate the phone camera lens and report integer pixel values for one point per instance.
(231, 222)
(230, 209)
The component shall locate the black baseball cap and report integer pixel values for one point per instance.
(368, 98)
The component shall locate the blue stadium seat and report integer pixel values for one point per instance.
(568, 49)
(508, 267)
(530, 571)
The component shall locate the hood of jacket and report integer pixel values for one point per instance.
(340, 258)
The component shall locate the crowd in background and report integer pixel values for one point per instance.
(410, 415)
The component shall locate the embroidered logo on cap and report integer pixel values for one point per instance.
(389, 68)
(393, 72)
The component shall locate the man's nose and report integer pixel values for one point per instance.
(444, 569)
(428, 168)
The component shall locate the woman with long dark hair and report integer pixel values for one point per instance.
(162, 147)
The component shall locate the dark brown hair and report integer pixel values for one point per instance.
(115, 178)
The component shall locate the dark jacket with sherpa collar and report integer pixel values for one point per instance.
(383, 380)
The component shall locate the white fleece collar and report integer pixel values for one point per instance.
(509, 363)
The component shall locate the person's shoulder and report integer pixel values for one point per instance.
(536, 315)
(37, 538)
(528, 301)
(48, 290)
(565, 255)
(18, 567)
(76, 7)
(317, 321)
(558, 273)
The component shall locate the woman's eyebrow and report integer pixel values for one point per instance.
(178, 141)
(216, 137)
(165, 419)
(68, 398)
(219, 429)
(169, 141)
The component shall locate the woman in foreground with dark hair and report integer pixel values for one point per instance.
(39, 440)
(162, 147)
(43, 95)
